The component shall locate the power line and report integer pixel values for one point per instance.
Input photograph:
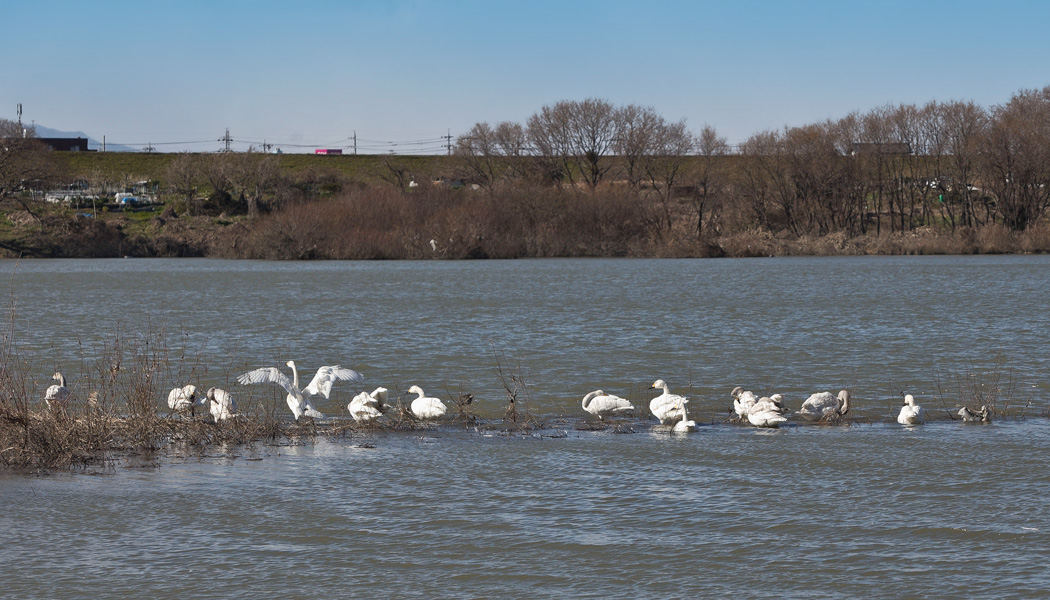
(226, 138)
(442, 144)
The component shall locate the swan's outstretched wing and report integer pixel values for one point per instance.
(326, 376)
(267, 375)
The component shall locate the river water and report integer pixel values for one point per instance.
(869, 510)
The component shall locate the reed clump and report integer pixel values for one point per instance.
(996, 390)
(516, 387)
(116, 410)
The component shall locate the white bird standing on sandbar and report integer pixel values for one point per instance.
(665, 406)
(911, 413)
(57, 396)
(824, 406)
(299, 401)
(222, 406)
(426, 409)
(602, 405)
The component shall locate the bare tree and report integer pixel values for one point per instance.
(490, 154)
(710, 173)
(636, 139)
(877, 151)
(255, 175)
(241, 180)
(24, 162)
(1017, 158)
(766, 179)
(184, 178)
(478, 152)
(663, 164)
(815, 178)
(965, 125)
(576, 135)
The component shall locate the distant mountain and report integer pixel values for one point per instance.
(93, 144)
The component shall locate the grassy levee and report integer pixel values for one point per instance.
(136, 166)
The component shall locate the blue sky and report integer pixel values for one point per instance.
(313, 72)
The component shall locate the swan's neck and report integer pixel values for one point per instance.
(587, 399)
(295, 377)
(844, 408)
(61, 379)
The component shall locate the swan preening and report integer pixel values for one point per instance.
(767, 412)
(666, 406)
(911, 413)
(602, 405)
(684, 424)
(742, 402)
(368, 406)
(300, 401)
(423, 408)
(975, 416)
(184, 398)
(57, 395)
(823, 405)
(222, 405)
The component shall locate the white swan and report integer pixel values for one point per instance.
(57, 396)
(975, 416)
(602, 405)
(426, 408)
(823, 405)
(911, 413)
(767, 412)
(366, 407)
(665, 406)
(222, 406)
(685, 425)
(184, 398)
(299, 401)
(742, 402)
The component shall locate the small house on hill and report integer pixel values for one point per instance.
(78, 144)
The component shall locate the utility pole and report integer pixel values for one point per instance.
(226, 138)
(448, 142)
(355, 142)
(266, 147)
(149, 148)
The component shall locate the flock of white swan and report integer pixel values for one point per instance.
(669, 409)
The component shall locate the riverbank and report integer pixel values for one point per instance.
(331, 233)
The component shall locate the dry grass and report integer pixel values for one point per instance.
(516, 387)
(997, 389)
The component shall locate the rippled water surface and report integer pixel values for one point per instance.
(870, 510)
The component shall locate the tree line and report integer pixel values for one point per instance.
(897, 167)
(589, 178)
